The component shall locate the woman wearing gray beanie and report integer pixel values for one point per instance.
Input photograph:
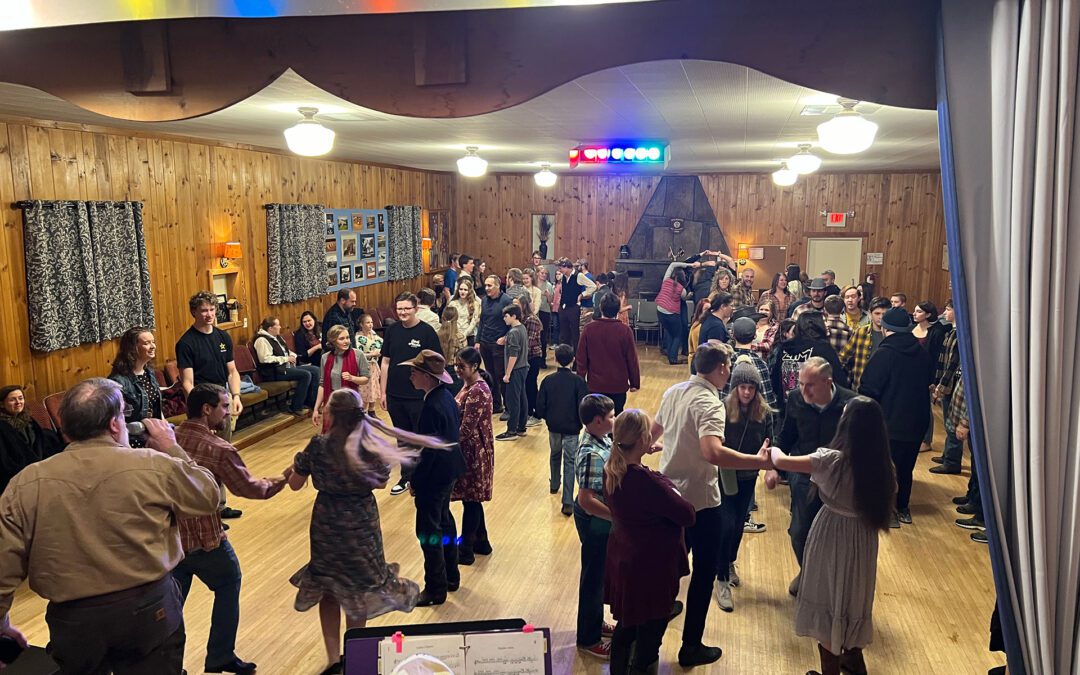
(749, 423)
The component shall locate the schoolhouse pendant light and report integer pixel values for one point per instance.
(307, 137)
(472, 165)
(784, 176)
(803, 162)
(545, 178)
(847, 132)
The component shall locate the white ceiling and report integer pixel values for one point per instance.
(718, 117)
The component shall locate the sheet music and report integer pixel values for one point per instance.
(505, 654)
(450, 649)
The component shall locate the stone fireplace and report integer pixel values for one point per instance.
(679, 221)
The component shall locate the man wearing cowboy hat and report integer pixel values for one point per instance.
(434, 476)
(816, 299)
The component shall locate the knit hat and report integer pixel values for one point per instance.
(897, 320)
(744, 330)
(745, 372)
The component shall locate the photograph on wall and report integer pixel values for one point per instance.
(331, 262)
(331, 278)
(345, 274)
(329, 220)
(382, 258)
(343, 224)
(382, 242)
(348, 247)
(370, 270)
(382, 270)
(330, 229)
(331, 246)
(382, 222)
(357, 222)
(439, 225)
(543, 235)
(371, 222)
(358, 272)
(367, 246)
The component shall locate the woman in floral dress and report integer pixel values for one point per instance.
(370, 345)
(478, 446)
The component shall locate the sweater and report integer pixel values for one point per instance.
(438, 468)
(607, 357)
(898, 377)
(558, 399)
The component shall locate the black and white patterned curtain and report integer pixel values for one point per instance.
(403, 243)
(87, 277)
(294, 252)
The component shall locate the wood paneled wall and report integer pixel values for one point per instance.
(898, 214)
(195, 195)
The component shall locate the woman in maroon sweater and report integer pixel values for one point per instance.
(607, 355)
(646, 554)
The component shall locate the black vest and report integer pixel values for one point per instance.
(273, 371)
(571, 289)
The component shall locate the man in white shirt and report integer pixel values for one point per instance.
(691, 421)
(424, 300)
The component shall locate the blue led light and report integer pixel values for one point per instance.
(654, 154)
(616, 153)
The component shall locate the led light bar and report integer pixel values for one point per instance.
(657, 153)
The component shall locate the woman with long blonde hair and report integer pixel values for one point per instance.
(348, 569)
(646, 554)
(467, 304)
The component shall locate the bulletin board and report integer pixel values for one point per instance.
(355, 250)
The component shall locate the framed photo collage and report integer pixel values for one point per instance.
(355, 247)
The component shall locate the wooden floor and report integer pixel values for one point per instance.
(934, 592)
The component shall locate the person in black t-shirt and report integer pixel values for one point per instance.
(204, 353)
(401, 342)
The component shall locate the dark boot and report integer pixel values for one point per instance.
(647, 670)
(830, 663)
(852, 663)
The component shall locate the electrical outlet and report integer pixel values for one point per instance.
(245, 322)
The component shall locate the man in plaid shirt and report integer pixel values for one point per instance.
(864, 340)
(839, 331)
(743, 331)
(209, 555)
(743, 292)
(945, 379)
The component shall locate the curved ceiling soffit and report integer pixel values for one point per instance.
(459, 64)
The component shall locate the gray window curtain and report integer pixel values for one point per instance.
(87, 277)
(403, 243)
(1008, 74)
(296, 267)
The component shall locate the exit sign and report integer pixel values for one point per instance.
(836, 219)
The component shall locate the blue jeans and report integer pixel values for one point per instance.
(803, 511)
(517, 402)
(307, 385)
(564, 449)
(593, 533)
(219, 569)
(673, 335)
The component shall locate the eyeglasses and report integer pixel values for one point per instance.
(127, 411)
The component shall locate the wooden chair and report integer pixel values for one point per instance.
(52, 405)
(40, 414)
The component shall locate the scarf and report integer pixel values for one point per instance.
(348, 365)
(21, 423)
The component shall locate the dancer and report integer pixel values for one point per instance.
(348, 569)
(855, 479)
(478, 448)
(343, 367)
(369, 343)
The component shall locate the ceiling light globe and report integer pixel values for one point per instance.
(309, 138)
(804, 163)
(784, 177)
(545, 177)
(847, 133)
(471, 165)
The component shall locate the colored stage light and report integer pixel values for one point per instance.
(654, 154)
(590, 153)
(616, 153)
(619, 153)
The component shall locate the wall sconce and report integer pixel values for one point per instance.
(743, 255)
(425, 244)
(231, 251)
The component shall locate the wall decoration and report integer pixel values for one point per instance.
(330, 229)
(439, 233)
(352, 244)
(348, 248)
(543, 235)
(332, 278)
(382, 221)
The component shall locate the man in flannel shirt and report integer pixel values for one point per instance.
(864, 340)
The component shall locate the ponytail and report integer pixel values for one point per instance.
(632, 431)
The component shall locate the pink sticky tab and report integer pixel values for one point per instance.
(528, 628)
(397, 639)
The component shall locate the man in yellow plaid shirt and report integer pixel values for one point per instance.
(856, 353)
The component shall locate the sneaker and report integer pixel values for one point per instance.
(601, 650)
(904, 516)
(521, 433)
(533, 421)
(507, 436)
(607, 630)
(722, 593)
(733, 575)
(971, 523)
(400, 487)
(980, 537)
(229, 512)
(751, 527)
(966, 509)
(952, 470)
(504, 417)
(793, 587)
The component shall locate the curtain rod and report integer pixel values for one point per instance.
(27, 203)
